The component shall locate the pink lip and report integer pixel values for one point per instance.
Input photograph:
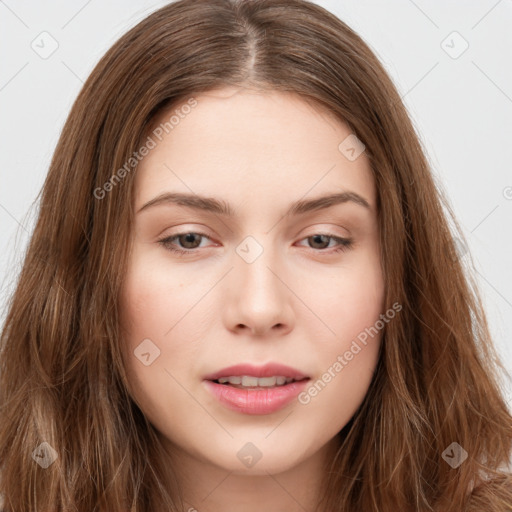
(256, 400)
(267, 370)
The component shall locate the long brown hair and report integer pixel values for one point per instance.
(62, 380)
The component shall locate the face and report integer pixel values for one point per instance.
(257, 275)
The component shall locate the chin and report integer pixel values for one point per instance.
(255, 455)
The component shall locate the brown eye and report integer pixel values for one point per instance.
(186, 242)
(320, 242)
(189, 240)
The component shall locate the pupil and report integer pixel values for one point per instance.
(316, 237)
(189, 238)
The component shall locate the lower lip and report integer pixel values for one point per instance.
(256, 401)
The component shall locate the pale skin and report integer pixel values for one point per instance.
(299, 302)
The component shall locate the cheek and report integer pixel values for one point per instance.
(347, 366)
(155, 313)
(349, 300)
(155, 297)
(352, 307)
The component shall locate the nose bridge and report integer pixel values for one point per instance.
(258, 297)
(257, 263)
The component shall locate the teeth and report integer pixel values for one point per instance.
(263, 382)
(231, 380)
(252, 382)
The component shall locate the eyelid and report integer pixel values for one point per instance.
(315, 229)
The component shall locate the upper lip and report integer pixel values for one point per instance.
(267, 370)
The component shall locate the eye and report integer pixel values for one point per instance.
(189, 241)
(343, 244)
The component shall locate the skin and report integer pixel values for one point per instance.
(299, 303)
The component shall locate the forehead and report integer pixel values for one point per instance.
(248, 147)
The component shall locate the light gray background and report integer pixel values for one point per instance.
(462, 108)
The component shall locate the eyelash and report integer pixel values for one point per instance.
(344, 243)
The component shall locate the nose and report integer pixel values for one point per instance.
(258, 300)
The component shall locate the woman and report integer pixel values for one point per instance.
(258, 370)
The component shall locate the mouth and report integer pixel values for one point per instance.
(256, 390)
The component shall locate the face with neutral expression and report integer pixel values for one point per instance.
(240, 276)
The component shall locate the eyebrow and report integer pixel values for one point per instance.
(219, 206)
